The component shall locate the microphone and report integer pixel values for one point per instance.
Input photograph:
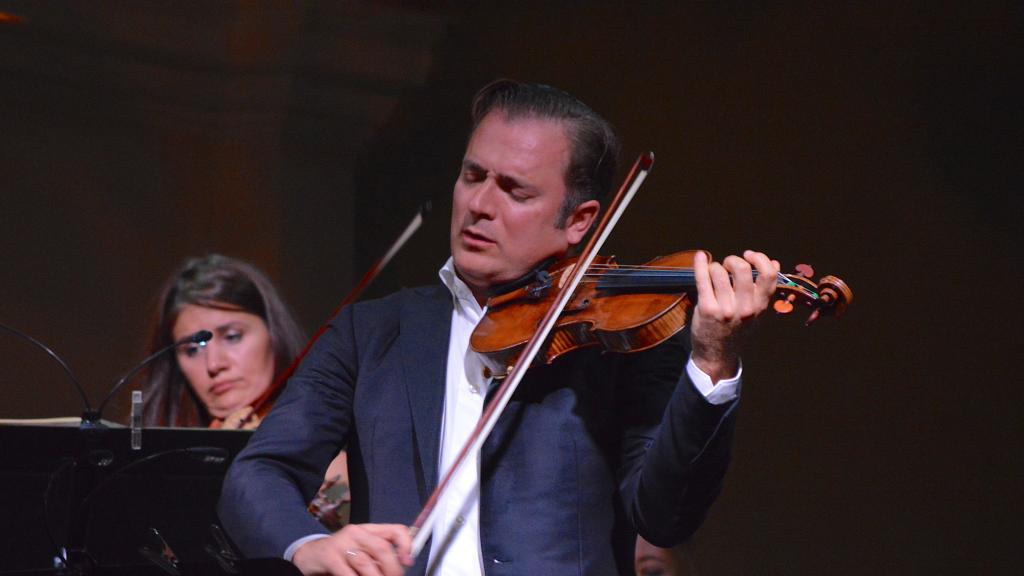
(63, 364)
(92, 418)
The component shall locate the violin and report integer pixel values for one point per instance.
(626, 308)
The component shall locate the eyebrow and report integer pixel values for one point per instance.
(468, 164)
(219, 330)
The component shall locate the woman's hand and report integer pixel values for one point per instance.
(242, 419)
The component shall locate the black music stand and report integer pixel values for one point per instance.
(104, 498)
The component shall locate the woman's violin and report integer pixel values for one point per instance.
(625, 308)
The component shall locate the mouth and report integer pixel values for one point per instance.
(474, 239)
(221, 387)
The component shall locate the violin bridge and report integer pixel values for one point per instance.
(565, 275)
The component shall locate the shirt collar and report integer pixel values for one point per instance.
(461, 293)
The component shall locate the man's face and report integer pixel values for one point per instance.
(507, 201)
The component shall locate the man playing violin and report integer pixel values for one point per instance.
(591, 450)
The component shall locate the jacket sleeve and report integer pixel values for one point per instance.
(676, 445)
(266, 490)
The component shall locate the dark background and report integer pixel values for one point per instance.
(880, 142)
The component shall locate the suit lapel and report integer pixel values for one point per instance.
(425, 325)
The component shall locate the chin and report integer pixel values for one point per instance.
(223, 412)
(219, 414)
(472, 267)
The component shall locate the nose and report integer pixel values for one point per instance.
(216, 359)
(482, 201)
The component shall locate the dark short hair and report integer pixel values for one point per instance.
(211, 281)
(595, 147)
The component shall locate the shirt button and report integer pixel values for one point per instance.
(460, 520)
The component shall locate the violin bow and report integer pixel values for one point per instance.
(353, 295)
(424, 524)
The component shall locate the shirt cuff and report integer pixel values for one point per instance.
(724, 391)
(290, 550)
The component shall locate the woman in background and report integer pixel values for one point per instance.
(254, 338)
(215, 385)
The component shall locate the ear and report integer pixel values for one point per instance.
(578, 223)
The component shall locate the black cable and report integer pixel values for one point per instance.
(201, 338)
(46, 509)
(67, 370)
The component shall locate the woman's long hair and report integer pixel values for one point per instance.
(212, 281)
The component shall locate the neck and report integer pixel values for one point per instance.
(479, 293)
(482, 292)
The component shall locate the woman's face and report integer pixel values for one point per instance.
(234, 368)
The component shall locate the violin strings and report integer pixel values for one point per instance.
(648, 267)
(642, 272)
(803, 290)
(632, 269)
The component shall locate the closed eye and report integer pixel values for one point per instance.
(473, 172)
(513, 188)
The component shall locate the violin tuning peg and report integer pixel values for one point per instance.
(814, 316)
(782, 306)
(805, 270)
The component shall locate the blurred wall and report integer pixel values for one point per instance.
(879, 143)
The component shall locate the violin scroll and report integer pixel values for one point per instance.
(828, 296)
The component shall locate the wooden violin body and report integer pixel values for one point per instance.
(624, 308)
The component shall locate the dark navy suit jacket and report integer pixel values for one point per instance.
(590, 450)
